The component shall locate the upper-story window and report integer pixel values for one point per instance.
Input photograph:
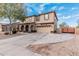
(37, 18)
(46, 16)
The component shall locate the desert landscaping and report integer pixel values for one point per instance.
(66, 48)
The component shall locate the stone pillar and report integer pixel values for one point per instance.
(24, 28)
(34, 28)
(19, 27)
(29, 28)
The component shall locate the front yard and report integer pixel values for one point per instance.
(35, 44)
(65, 48)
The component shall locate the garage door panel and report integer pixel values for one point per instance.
(43, 29)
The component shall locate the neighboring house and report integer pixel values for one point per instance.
(6, 27)
(42, 23)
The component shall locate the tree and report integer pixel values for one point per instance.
(63, 24)
(12, 11)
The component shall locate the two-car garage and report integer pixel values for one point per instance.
(45, 28)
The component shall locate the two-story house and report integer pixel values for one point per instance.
(46, 22)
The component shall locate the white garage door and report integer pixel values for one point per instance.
(44, 29)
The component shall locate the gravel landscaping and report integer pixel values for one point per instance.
(66, 48)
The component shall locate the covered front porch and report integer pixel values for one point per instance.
(27, 27)
(20, 27)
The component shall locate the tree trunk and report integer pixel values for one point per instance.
(10, 26)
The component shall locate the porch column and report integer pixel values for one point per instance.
(29, 29)
(19, 27)
(24, 28)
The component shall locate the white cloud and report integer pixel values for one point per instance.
(39, 12)
(72, 18)
(73, 25)
(40, 8)
(29, 10)
(73, 8)
(31, 5)
(59, 14)
(54, 8)
(65, 17)
(36, 8)
(76, 15)
(61, 8)
(42, 5)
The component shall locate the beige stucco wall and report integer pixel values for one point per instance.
(51, 17)
(28, 20)
(52, 27)
(76, 30)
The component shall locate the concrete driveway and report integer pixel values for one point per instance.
(54, 38)
(16, 46)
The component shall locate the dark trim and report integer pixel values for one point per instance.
(44, 14)
(56, 16)
(46, 23)
(31, 16)
(44, 26)
(47, 13)
(41, 14)
(30, 23)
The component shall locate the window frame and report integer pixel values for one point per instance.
(46, 16)
(38, 18)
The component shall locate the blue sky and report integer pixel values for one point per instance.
(66, 12)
